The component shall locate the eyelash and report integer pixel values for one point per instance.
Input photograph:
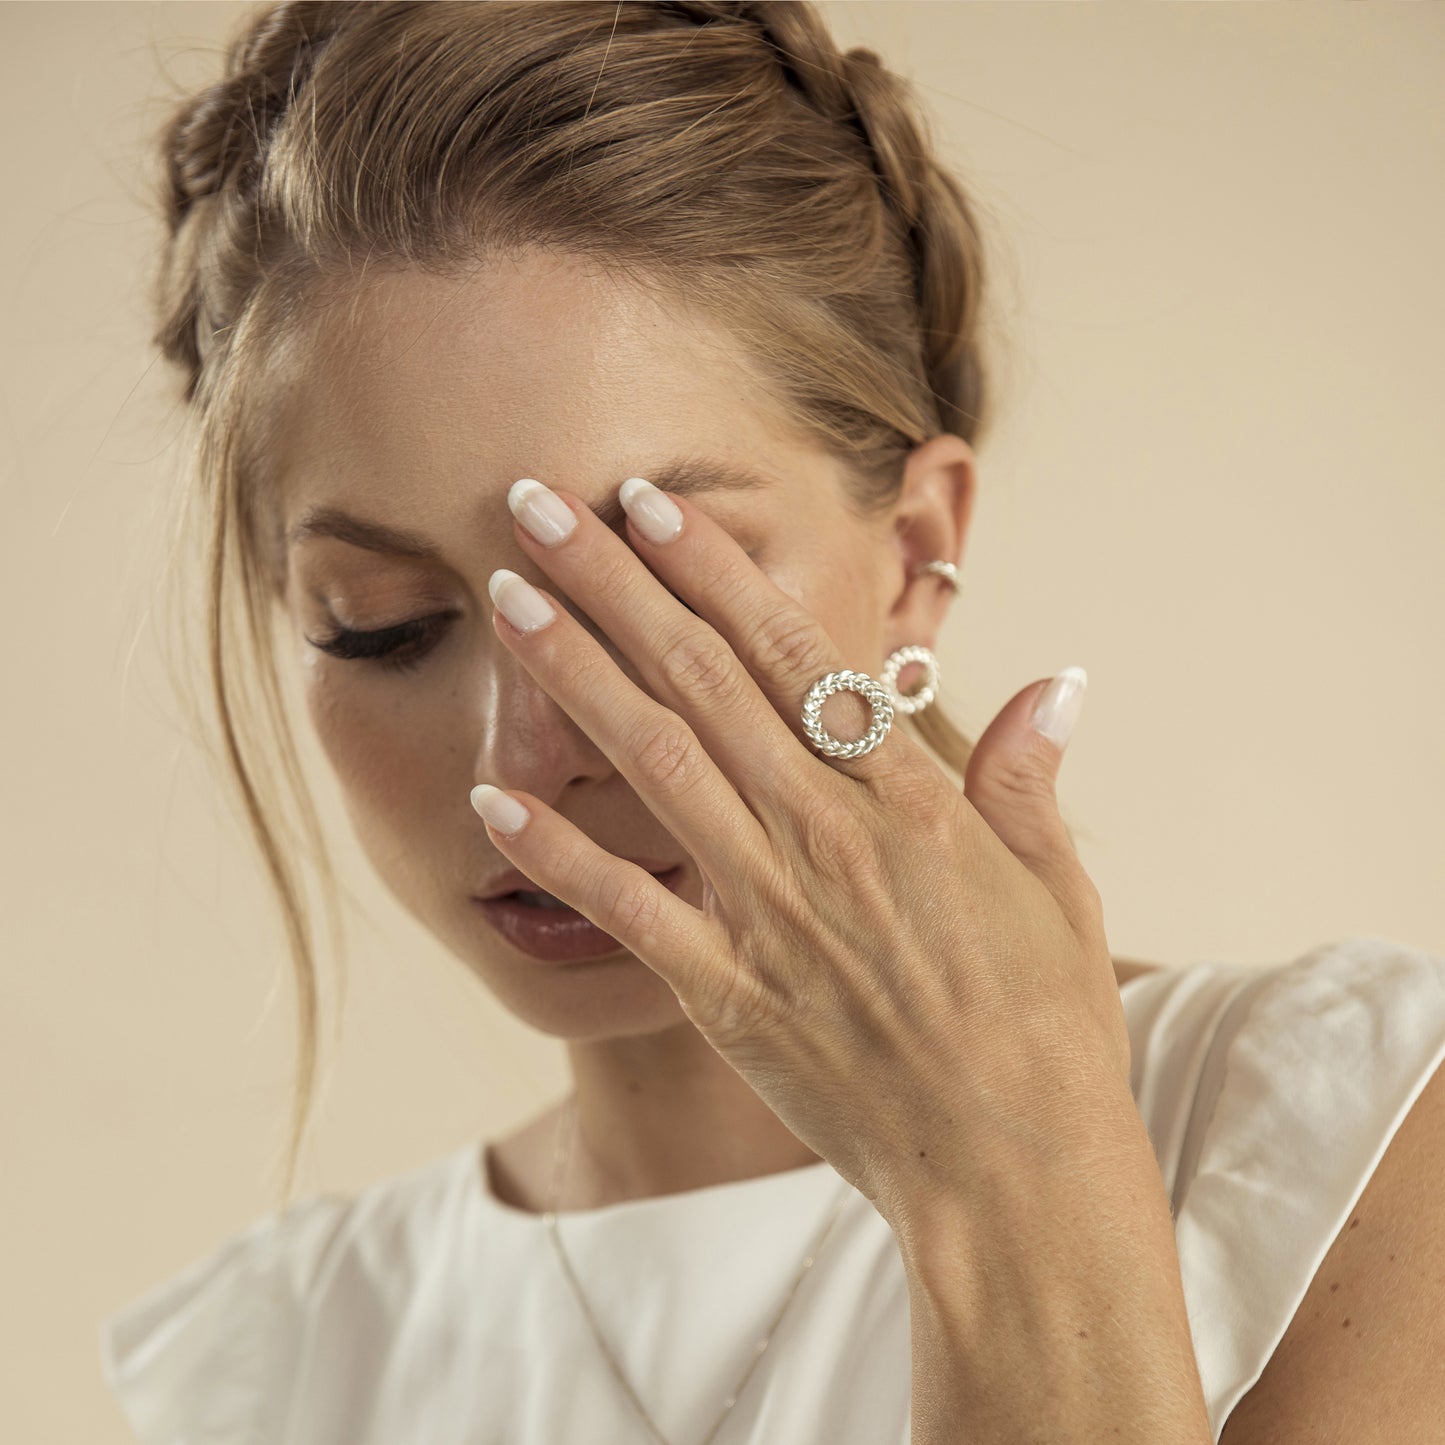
(402, 648)
(393, 649)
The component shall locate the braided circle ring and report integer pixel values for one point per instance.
(922, 695)
(859, 682)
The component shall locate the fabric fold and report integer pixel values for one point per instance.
(1305, 1088)
(205, 1357)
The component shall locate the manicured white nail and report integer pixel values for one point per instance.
(656, 514)
(541, 511)
(1059, 707)
(519, 602)
(499, 809)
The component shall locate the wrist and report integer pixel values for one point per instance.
(1021, 1178)
(1046, 1301)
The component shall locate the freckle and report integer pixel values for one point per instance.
(1334, 1286)
(1392, 1259)
(1346, 1324)
(923, 1153)
(1354, 1221)
(1083, 1334)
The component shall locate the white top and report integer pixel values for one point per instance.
(425, 1309)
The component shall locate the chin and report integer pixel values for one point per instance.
(617, 996)
(606, 998)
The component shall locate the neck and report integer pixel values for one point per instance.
(663, 1112)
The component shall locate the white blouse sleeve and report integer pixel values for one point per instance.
(206, 1357)
(1308, 1077)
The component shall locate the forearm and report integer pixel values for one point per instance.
(1046, 1304)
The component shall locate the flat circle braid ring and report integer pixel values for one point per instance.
(870, 689)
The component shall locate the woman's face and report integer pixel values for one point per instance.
(435, 396)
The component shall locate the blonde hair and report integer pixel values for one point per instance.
(727, 156)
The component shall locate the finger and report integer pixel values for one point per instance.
(1012, 782)
(776, 638)
(675, 940)
(682, 660)
(711, 634)
(650, 745)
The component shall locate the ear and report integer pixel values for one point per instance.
(930, 524)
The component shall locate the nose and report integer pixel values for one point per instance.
(526, 739)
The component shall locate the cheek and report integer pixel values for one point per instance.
(379, 738)
(842, 608)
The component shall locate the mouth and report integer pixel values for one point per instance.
(541, 899)
(537, 923)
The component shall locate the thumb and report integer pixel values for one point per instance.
(1012, 772)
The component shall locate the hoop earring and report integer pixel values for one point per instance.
(946, 570)
(921, 696)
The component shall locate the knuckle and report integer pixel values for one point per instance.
(790, 642)
(630, 906)
(611, 576)
(834, 838)
(1024, 785)
(739, 1012)
(667, 757)
(917, 788)
(698, 665)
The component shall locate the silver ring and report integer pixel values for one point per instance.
(875, 694)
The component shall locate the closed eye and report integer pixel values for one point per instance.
(396, 649)
(401, 648)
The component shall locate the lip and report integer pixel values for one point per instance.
(553, 935)
(512, 880)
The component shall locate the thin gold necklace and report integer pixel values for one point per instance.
(550, 1218)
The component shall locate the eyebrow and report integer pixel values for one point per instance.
(685, 477)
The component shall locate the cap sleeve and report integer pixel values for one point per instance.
(1308, 1080)
(205, 1357)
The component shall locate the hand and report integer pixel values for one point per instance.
(907, 975)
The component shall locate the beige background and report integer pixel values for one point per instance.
(1216, 483)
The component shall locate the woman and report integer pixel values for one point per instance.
(869, 1136)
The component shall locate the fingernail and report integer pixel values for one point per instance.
(499, 809)
(656, 514)
(1059, 707)
(519, 602)
(541, 511)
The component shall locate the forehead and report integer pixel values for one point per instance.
(435, 389)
